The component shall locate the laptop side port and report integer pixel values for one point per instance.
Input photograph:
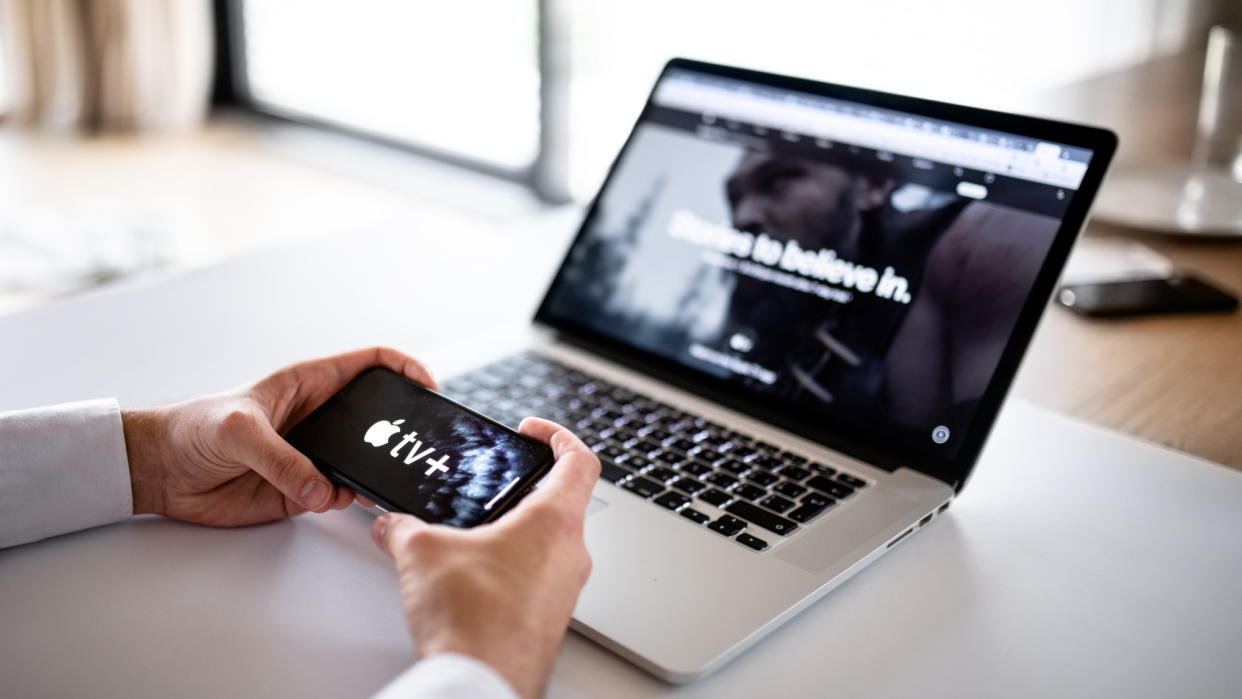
(927, 519)
(901, 536)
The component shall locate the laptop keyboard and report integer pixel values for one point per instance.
(734, 484)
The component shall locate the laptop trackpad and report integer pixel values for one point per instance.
(595, 505)
(850, 533)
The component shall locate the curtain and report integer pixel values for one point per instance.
(108, 65)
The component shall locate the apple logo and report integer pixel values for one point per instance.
(379, 433)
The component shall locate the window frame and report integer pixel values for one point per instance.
(547, 176)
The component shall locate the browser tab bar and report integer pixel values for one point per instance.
(879, 129)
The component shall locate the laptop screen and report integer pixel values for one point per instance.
(856, 265)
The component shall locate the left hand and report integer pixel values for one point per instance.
(221, 460)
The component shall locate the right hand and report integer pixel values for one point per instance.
(501, 592)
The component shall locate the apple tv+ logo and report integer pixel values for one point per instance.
(381, 432)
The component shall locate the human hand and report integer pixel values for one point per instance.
(501, 592)
(221, 460)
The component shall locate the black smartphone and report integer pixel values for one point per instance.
(410, 449)
(1179, 293)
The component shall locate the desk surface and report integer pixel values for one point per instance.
(1175, 379)
(1078, 562)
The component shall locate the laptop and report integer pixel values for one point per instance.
(786, 326)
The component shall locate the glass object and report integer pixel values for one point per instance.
(1203, 195)
(1212, 195)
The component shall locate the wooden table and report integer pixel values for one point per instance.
(1175, 380)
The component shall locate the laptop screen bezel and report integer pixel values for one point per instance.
(861, 443)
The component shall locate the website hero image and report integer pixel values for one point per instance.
(859, 264)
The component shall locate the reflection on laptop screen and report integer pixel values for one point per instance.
(859, 263)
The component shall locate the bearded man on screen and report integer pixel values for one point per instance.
(969, 265)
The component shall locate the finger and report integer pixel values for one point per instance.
(293, 392)
(391, 531)
(344, 498)
(350, 364)
(366, 502)
(576, 470)
(257, 445)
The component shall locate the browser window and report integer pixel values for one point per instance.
(854, 262)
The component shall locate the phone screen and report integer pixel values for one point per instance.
(412, 450)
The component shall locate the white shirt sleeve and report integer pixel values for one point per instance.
(62, 468)
(448, 676)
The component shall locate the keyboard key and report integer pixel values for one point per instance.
(742, 451)
(815, 499)
(805, 513)
(793, 458)
(789, 489)
(643, 487)
(671, 500)
(776, 502)
(645, 447)
(723, 480)
(851, 481)
(752, 541)
(748, 491)
(831, 487)
(761, 517)
(636, 463)
(822, 469)
(612, 472)
(770, 463)
(727, 525)
(763, 478)
(695, 468)
(682, 445)
(688, 485)
(708, 455)
(661, 473)
(694, 515)
(770, 449)
(714, 497)
(794, 473)
(732, 466)
(658, 434)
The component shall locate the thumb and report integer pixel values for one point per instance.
(269, 455)
(392, 531)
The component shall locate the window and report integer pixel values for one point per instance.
(466, 80)
(458, 78)
(977, 52)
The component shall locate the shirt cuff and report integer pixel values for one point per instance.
(448, 676)
(62, 468)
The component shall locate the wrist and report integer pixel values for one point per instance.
(142, 440)
(519, 672)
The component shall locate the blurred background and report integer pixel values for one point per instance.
(148, 135)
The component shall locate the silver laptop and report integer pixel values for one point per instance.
(786, 326)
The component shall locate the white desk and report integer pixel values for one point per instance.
(1077, 563)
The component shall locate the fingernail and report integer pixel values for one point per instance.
(382, 529)
(314, 493)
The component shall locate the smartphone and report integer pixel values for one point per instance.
(410, 449)
(1179, 293)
